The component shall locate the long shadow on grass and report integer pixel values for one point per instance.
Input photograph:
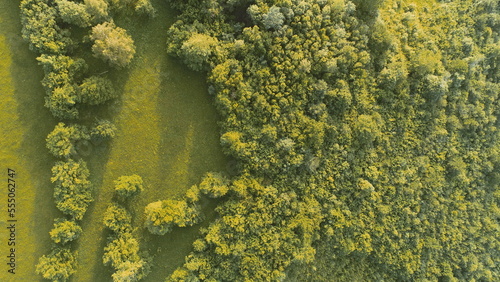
(37, 123)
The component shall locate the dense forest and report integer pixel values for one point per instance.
(363, 137)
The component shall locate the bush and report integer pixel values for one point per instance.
(73, 13)
(117, 219)
(61, 141)
(102, 130)
(65, 231)
(161, 216)
(96, 90)
(214, 185)
(59, 265)
(72, 190)
(122, 253)
(128, 186)
(112, 44)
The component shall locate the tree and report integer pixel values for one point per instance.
(128, 186)
(102, 130)
(161, 216)
(273, 19)
(145, 7)
(98, 9)
(72, 191)
(61, 141)
(117, 219)
(196, 51)
(73, 13)
(59, 265)
(96, 90)
(214, 184)
(122, 253)
(65, 231)
(112, 44)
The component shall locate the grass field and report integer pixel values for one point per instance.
(24, 124)
(167, 133)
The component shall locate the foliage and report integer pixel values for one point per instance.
(161, 216)
(96, 90)
(102, 130)
(62, 140)
(128, 186)
(98, 9)
(59, 265)
(122, 253)
(214, 184)
(40, 28)
(117, 219)
(112, 44)
(374, 124)
(73, 13)
(65, 231)
(145, 7)
(72, 191)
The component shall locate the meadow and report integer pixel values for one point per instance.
(167, 133)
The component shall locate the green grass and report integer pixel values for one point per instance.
(167, 133)
(24, 124)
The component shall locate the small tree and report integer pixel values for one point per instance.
(117, 219)
(145, 7)
(112, 44)
(102, 130)
(65, 231)
(61, 141)
(197, 50)
(98, 9)
(161, 216)
(59, 265)
(72, 191)
(73, 13)
(273, 19)
(96, 90)
(214, 185)
(128, 186)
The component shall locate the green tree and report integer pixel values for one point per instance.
(197, 50)
(122, 253)
(98, 9)
(112, 44)
(214, 184)
(273, 19)
(65, 231)
(128, 186)
(101, 131)
(59, 265)
(96, 90)
(73, 13)
(72, 191)
(62, 140)
(161, 216)
(118, 219)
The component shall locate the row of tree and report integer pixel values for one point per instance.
(47, 26)
(122, 250)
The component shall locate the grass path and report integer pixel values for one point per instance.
(24, 124)
(167, 134)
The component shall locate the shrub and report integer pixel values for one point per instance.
(72, 190)
(61, 141)
(161, 216)
(96, 90)
(65, 231)
(112, 44)
(128, 186)
(59, 265)
(117, 219)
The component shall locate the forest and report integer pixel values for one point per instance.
(361, 138)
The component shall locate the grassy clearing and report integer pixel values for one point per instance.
(24, 124)
(167, 133)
